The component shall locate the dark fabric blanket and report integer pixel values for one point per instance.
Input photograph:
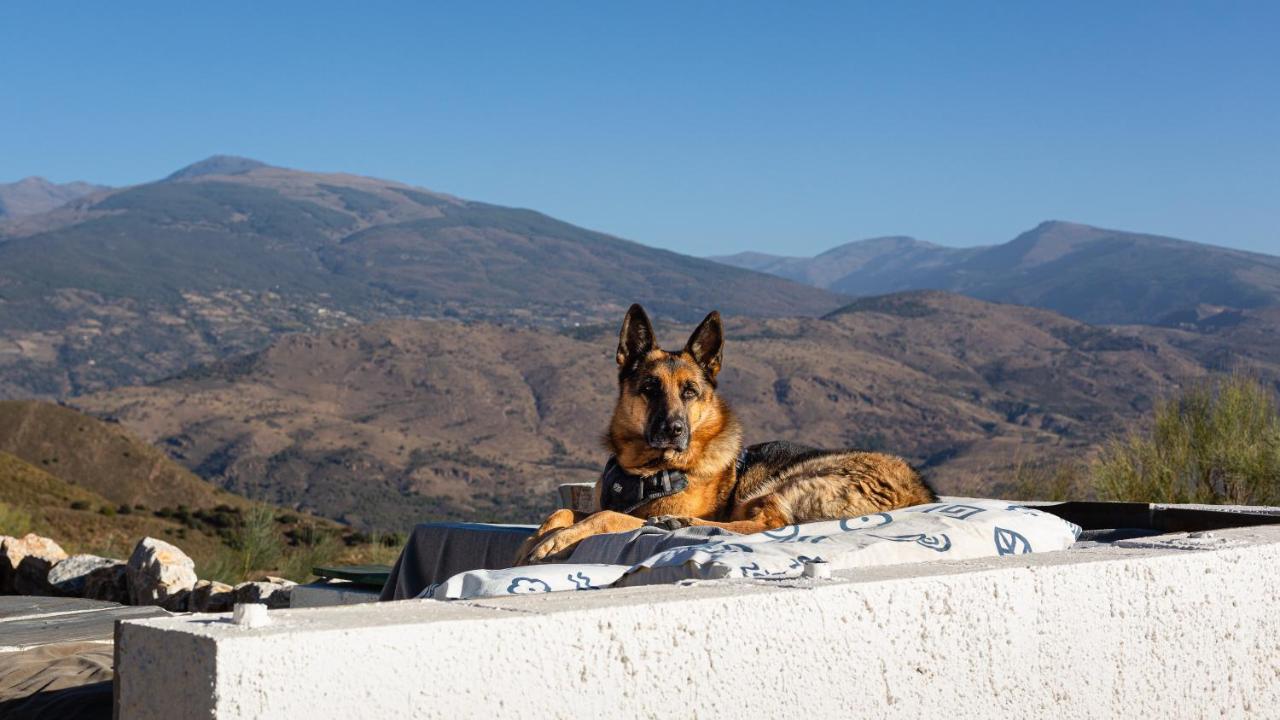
(437, 551)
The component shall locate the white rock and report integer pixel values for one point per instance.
(211, 596)
(71, 576)
(251, 615)
(109, 583)
(25, 563)
(272, 594)
(158, 572)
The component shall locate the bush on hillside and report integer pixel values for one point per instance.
(1215, 443)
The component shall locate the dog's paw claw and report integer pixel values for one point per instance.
(669, 522)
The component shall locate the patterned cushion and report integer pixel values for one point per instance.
(937, 531)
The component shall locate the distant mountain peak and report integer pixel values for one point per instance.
(218, 165)
(33, 195)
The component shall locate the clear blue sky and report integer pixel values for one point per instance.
(702, 127)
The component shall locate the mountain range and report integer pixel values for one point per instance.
(384, 354)
(1091, 274)
(134, 284)
(34, 195)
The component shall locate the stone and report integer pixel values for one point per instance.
(159, 571)
(212, 596)
(70, 577)
(274, 594)
(109, 583)
(25, 564)
(178, 602)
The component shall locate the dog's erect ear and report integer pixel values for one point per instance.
(706, 344)
(636, 339)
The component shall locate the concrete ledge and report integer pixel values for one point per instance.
(1172, 627)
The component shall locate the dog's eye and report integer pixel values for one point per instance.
(649, 388)
(690, 392)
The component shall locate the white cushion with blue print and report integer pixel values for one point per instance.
(937, 531)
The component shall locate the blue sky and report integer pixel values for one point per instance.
(701, 127)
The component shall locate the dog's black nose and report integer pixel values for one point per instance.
(675, 427)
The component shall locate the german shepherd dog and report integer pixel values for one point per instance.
(678, 458)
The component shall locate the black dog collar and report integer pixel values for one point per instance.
(624, 492)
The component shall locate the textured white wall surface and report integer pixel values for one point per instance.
(1175, 626)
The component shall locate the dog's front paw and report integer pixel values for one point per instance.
(555, 547)
(669, 522)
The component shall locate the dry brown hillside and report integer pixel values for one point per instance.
(400, 421)
(95, 488)
(101, 457)
(82, 520)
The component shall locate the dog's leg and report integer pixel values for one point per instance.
(558, 520)
(764, 514)
(560, 543)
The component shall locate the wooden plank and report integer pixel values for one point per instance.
(20, 606)
(89, 625)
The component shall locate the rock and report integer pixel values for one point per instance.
(212, 596)
(157, 572)
(71, 576)
(6, 572)
(25, 564)
(178, 602)
(274, 594)
(109, 583)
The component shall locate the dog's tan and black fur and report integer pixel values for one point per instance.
(669, 417)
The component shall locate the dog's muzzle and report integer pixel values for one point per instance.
(669, 434)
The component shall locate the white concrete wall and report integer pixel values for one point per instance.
(1179, 629)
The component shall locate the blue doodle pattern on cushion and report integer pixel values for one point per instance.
(783, 534)
(799, 562)
(582, 582)
(791, 534)
(1009, 542)
(724, 548)
(527, 585)
(937, 543)
(957, 511)
(866, 522)
(754, 570)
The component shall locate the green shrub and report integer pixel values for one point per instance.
(15, 520)
(1215, 443)
(80, 505)
(256, 543)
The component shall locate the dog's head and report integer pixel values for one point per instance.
(667, 409)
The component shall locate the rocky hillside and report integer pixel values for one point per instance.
(1092, 274)
(223, 256)
(393, 423)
